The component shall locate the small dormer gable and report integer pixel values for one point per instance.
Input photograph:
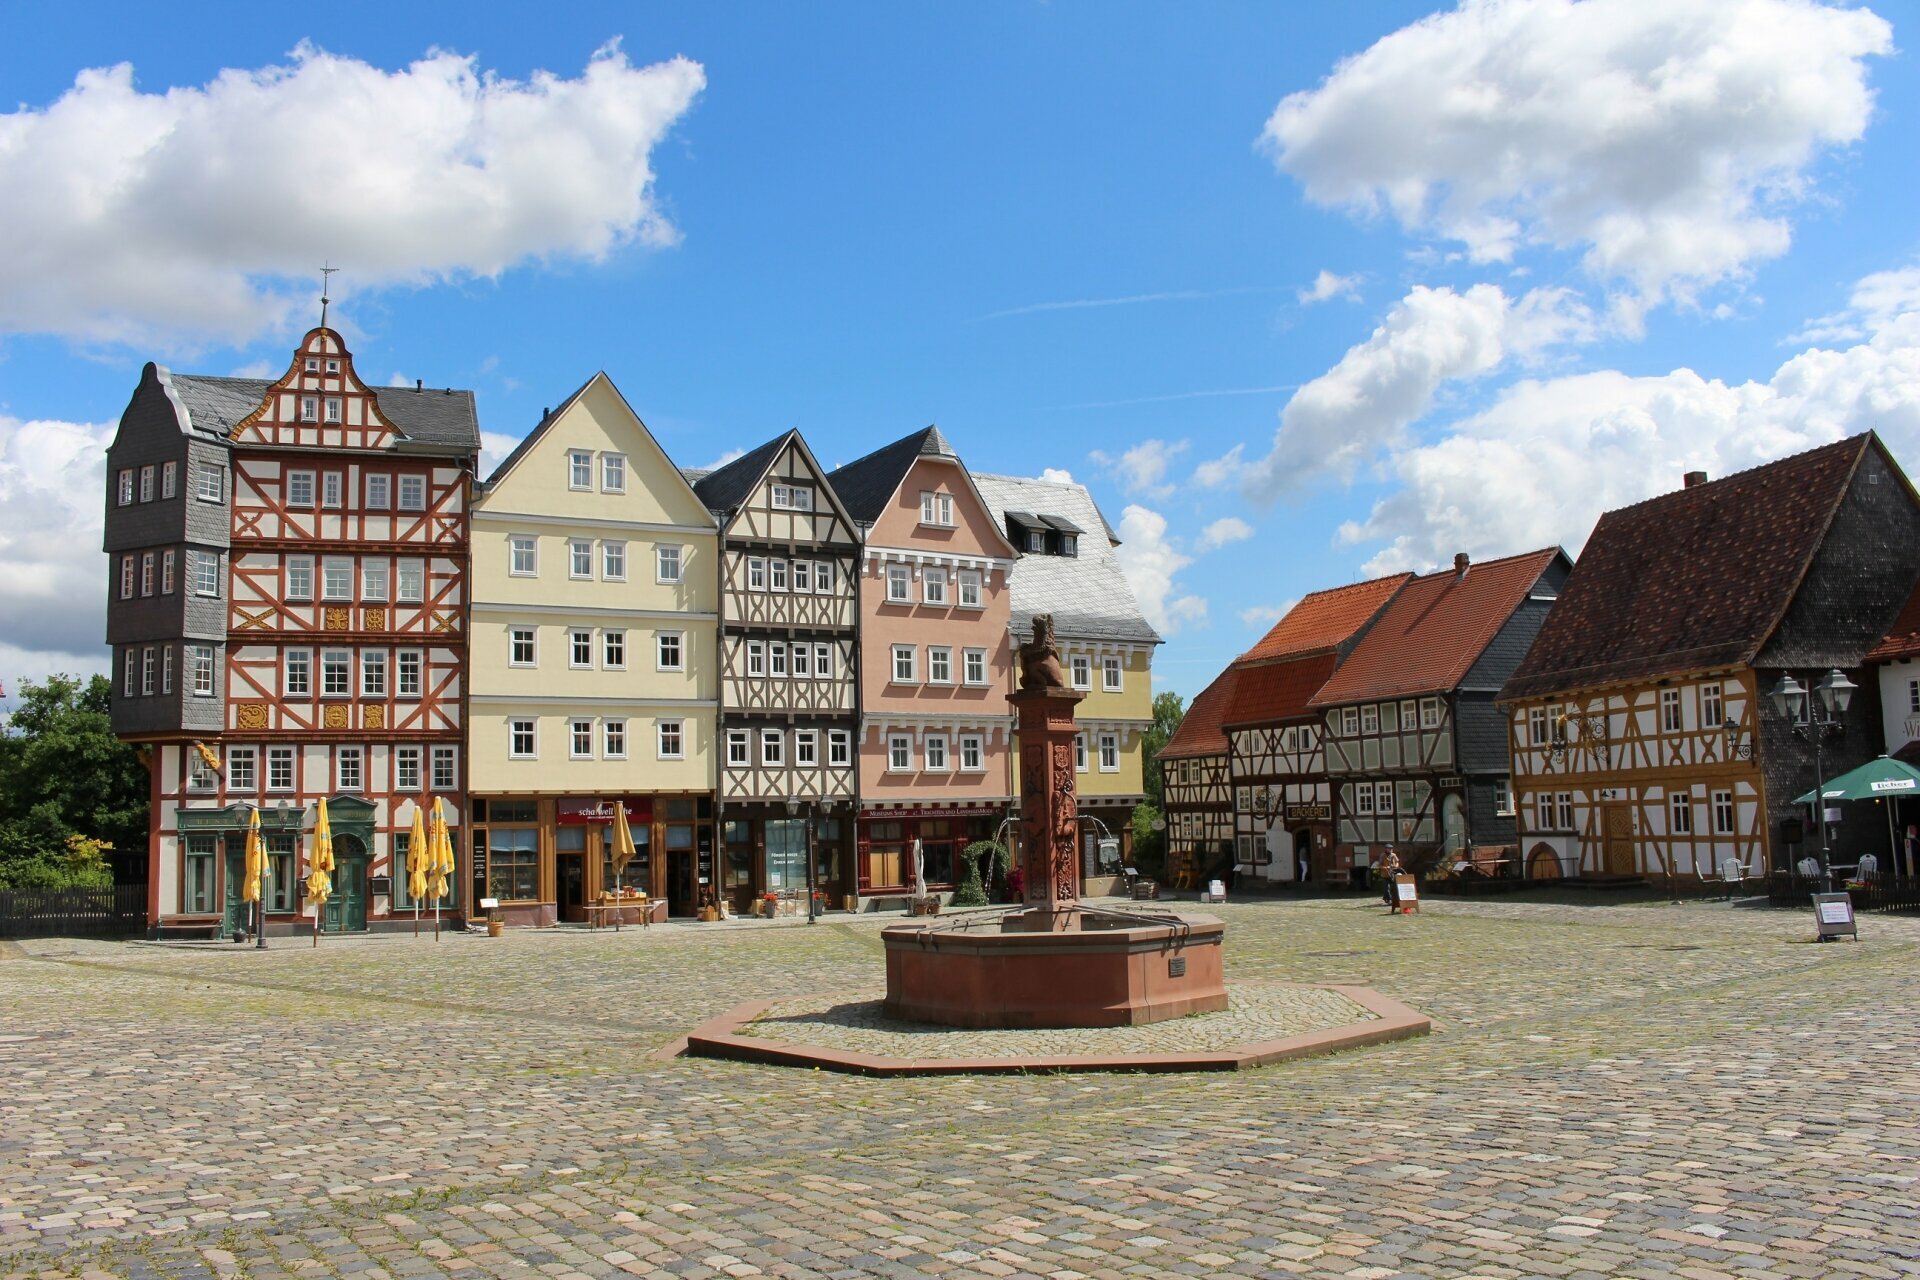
(319, 403)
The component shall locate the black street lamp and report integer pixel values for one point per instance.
(817, 807)
(1823, 719)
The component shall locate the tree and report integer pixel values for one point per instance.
(64, 776)
(1168, 710)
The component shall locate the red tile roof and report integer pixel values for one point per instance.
(1435, 629)
(1691, 580)
(1903, 637)
(1199, 732)
(1277, 690)
(1326, 619)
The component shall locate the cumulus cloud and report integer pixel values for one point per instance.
(1224, 531)
(1327, 285)
(53, 577)
(1215, 472)
(1142, 469)
(494, 448)
(1151, 562)
(1540, 465)
(1381, 386)
(1874, 304)
(1663, 139)
(1265, 615)
(1057, 475)
(165, 218)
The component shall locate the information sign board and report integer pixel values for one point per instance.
(1833, 916)
(1406, 892)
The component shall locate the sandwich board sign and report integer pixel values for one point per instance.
(1406, 893)
(1833, 916)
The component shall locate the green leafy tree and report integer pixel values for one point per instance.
(69, 789)
(1168, 710)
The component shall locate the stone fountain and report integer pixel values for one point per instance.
(1055, 962)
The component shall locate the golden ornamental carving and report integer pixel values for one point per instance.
(338, 619)
(250, 715)
(443, 620)
(376, 619)
(374, 717)
(336, 717)
(254, 621)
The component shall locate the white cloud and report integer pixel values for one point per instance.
(1381, 386)
(1542, 463)
(1876, 300)
(724, 459)
(1057, 475)
(494, 448)
(165, 218)
(1215, 472)
(53, 577)
(1142, 469)
(1264, 616)
(1224, 531)
(1664, 139)
(1327, 285)
(1150, 563)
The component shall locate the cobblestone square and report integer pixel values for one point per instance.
(1610, 1090)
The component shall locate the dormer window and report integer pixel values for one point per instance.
(936, 508)
(1036, 541)
(1069, 545)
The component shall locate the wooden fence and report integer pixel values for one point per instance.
(53, 913)
(1883, 893)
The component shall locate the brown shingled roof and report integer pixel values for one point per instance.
(1199, 732)
(1326, 619)
(1903, 637)
(1691, 580)
(1435, 629)
(1278, 690)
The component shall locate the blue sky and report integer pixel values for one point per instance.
(1065, 232)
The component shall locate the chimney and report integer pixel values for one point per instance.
(419, 384)
(1693, 478)
(1460, 563)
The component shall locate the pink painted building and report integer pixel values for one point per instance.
(935, 752)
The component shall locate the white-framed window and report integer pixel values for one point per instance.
(823, 577)
(126, 577)
(668, 561)
(169, 479)
(776, 575)
(166, 573)
(523, 559)
(149, 670)
(209, 482)
(309, 408)
(672, 740)
(125, 498)
(1429, 713)
(579, 469)
(1383, 796)
(969, 589)
(802, 576)
(936, 508)
(1080, 752)
(937, 753)
(146, 483)
(406, 769)
(206, 572)
(670, 655)
(1109, 753)
(756, 657)
(974, 666)
(756, 573)
(1679, 813)
(336, 579)
(1036, 541)
(146, 573)
(1349, 720)
(446, 768)
(613, 649)
(1502, 798)
(933, 586)
(407, 668)
(1564, 802)
(899, 753)
(903, 664)
(1713, 708)
(347, 768)
(1409, 715)
(411, 581)
(802, 660)
(166, 669)
(580, 648)
(413, 493)
(299, 577)
(613, 473)
(373, 673)
(1370, 718)
(806, 748)
(579, 557)
(1363, 798)
(200, 776)
(330, 488)
(1670, 718)
(299, 488)
(613, 739)
(379, 491)
(279, 768)
(336, 673)
(242, 768)
(613, 561)
(1082, 668)
(522, 742)
(777, 659)
(373, 580)
(738, 747)
(899, 584)
(1723, 813)
(939, 664)
(1537, 727)
(823, 661)
(773, 747)
(839, 748)
(299, 669)
(521, 646)
(1110, 674)
(331, 409)
(972, 753)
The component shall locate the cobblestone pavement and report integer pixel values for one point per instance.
(855, 1024)
(1611, 1090)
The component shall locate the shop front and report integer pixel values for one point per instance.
(887, 836)
(765, 848)
(547, 859)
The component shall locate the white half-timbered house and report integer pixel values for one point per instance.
(1196, 783)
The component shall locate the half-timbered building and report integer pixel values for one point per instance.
(789, 667)
(935, 750)
(1415, 748)
(1067, 568)
(1196, 783)
(1282, 799)
(1642, 736)
(595, 670)
(323, 656)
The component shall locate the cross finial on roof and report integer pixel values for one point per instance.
(325, 271)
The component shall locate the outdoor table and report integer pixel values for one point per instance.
(595, 910)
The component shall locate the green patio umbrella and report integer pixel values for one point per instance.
(1883, 778)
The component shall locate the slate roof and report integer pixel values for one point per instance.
(1691, 580)
(1200, 733)
(1087, 594)
(1903, 637)
(533, 437)
(724, 488)
(865, 484)
(1278, 690)
(1434, 630)
(1324, 620)
(439, 419)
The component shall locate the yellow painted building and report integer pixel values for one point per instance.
(1067, 568)
(594, 677)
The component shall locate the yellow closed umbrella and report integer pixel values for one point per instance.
(320, 881)
(623, 850)
(441, 867)
(419, 855)
(254, 872)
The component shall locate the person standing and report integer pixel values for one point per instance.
(1390, 872)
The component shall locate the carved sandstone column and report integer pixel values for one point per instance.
(1049, 807)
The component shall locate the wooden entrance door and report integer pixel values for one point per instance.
(1619, 840)
(235, 913)
(347, 907)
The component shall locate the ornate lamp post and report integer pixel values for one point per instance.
(1824, 718)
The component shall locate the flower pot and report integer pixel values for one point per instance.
(495, 928)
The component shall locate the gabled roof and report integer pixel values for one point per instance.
(1086, 593)
(865, 485)
(1435, 629)
(1199, 733)
(1325, 620)
(725, 488)
(1280, 690)
(539, 429)
(444, 419)
(1903, 637)
(1691, 580)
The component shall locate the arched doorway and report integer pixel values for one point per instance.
(346, 909)
(1543, 863)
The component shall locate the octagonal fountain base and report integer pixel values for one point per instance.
(1078, 967)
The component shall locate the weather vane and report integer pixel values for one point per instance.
(325, 271)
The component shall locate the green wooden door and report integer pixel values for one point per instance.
(234, 913)
(347, 908)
